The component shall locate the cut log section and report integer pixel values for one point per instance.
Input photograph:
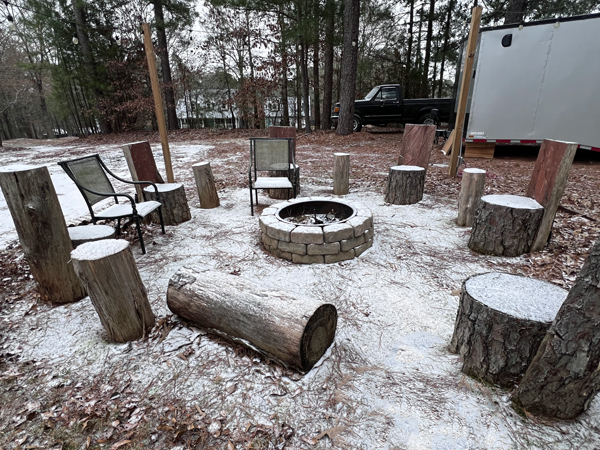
(175, 208)
(90, 233)
(40, 224)
(505, 225)
(471, 190)
(341, 173)
(108, 271)
(142, 165)
(205, 183)
(293, 329)
(564, 376)
(500, 324)
(405, 185)
(417, 143)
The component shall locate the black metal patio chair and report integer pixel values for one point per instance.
(89, 174)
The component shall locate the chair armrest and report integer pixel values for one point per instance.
(133, 182)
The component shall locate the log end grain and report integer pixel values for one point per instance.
(318, 335)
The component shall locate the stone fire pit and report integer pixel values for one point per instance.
(316, 230)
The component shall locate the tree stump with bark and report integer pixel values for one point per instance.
(42, 230)
(341, 173)
(564, 375)
(471, 191)
(500, 324)
(90, 233)
(175, 208)
(505, 225)
(293, 329)
(108, 271)
(205, 183)
(405, 185)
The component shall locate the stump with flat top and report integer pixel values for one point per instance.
(293, 329)
(564, 376)
(42, 230)
(341, 173)
(205, 183)
(505, 225)
(175, 209)
(90, 233)
(500, 324)
(108, 272)
(471, 190)
(405, 185)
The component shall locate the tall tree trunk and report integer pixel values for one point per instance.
(445, 47)
(425, 81)
(411, 18)
(284, 71)
(349, 63)
(515, 11)
(305, 90)
(328, 64)
(298, 95)
(316, 82)
(165, 67)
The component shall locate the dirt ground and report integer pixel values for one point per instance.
(387, 383)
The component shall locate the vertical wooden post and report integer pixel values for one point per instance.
(205, 182)
(471, 191)
(464, 89)
(160, 115)
(341, 173)
(42, 231)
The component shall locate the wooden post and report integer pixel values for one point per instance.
(205, 183)
(471, 190)
(40, 224)
(291, 328)
(464, 89)
(108, 271)
(160, 115)
(341, 173)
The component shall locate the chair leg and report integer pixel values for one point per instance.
(251, 203)
(139, 230)
(160, 216)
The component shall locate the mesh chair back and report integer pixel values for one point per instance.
(89, 173)
(271, 154)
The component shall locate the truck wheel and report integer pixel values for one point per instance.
(357, 124)
(427, 119)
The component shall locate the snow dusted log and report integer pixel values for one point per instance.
(471, 190)
(175, 207)
(341, 173)
(205, 183)
(564, 376)
(108, 272)
(505, 225)
(405, 185)
(42, 231)
(90, 233)
(294, 329)
(500, 323)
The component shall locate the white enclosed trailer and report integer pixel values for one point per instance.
(537, 81)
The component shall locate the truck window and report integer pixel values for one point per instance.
(389, 93)
(372, 93)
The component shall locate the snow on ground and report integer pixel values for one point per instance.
(388, 381)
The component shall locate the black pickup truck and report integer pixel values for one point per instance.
(384, 104)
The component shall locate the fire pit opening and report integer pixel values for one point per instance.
(317, 213)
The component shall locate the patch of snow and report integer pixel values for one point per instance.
(512, 201)
(91, 251)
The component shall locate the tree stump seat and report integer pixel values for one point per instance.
(405, 185)
(505, 225)
(501, 321)
(175, 208)
(471, 191)
(90, 233)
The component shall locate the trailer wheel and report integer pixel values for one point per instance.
(357, 123)
(428, 119)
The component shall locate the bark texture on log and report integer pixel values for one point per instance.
(548, 183)
(293, 329)
(500, 323)
(108, 271)
(564, 376)
(417, 143)
(42, 230)
(405, 185)
(505, 225)
(284, 132)
(142, 165)
(175, 208)
(341, 173)
(205, 183)
(471, 191)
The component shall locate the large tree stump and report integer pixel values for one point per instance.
(505, 225)
(341, 173)
(42, 232)
(417, 143)
(471, 190)
(293, 329)
(564, 375)
(142, 165)
(284, 132)
(175, 208)
(405, 185)
(108, 271)
(90, 233)
(500, 323)
(205, 183)
(548, 183)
